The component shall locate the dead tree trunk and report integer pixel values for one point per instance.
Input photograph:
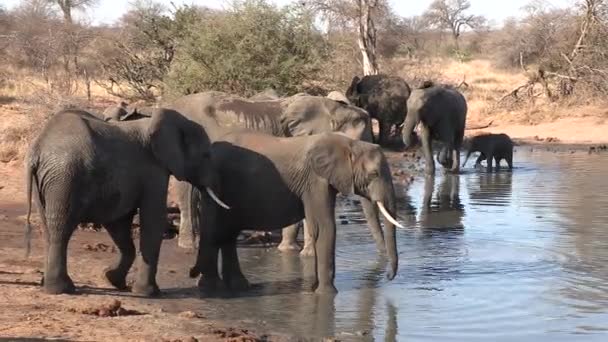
(367, 36)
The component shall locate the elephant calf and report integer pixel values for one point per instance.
(272, 182)
(83, 169)
(491, 147)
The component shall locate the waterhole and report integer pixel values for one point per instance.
(519, 255)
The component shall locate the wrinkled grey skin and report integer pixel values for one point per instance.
(82, 169)
(272, 182)
(493, 147)
(385, 99)
(441, 112)
(297, 115)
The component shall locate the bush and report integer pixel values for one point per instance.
(252, 47)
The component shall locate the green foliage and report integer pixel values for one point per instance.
(251, 47)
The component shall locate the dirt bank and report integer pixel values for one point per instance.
(582, 130)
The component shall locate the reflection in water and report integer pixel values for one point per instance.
(531, 264)
(491, 188)
(446, 211)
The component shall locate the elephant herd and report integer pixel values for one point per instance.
(259, 163)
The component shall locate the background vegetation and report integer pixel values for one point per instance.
(545, 60)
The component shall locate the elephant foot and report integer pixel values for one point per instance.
(288, 246)
(328, 289)
(59, 286)
(238, 283)
(117, 279)
(307, 251)
(146, 290)
(209, 285)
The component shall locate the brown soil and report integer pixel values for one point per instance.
(581, 130)
(97, 312)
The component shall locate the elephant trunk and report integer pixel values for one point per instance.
(386, 204)
(390, 225)
(408, 129)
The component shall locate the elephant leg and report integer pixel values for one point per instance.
(373, 220)
(208, 248)
(489, 159)
(384, 132)
(231, 270)
(481, 158)
(427, 149)
(455, 161)
(153, 216)
(309, 248)
(497, 160)
(321, 222)
(59, 230)
(187, 237)
(509, 159)
(120, 232)
(289, 238)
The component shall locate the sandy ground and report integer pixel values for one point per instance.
(28, 313)
(583, 130)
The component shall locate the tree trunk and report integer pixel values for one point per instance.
(367, 36)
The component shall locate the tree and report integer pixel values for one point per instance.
(67, 6)
(450, 15)
(362, 15)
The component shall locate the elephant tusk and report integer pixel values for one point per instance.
(217, 200)
(387, 215)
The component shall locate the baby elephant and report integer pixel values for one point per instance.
(492, 147)
(272, 182)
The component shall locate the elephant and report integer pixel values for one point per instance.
(297, 115)
(441, 112)
(385, 98)
(83, 169)
(272, 182)
(491, 147)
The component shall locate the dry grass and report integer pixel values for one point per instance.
(26, 102)
(487, 85)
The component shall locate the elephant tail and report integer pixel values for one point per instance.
(31, 168)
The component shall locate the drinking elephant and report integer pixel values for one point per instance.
(298, 115)
(441, 112)
(272, 182)
(82, 169)
(491, 147)
(385, 99)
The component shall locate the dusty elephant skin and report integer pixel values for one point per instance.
(298, 115)
(441, 112)
(82, 169)
(492, 147)
(385, 99)
(281, 181)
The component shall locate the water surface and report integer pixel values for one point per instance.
(519, 255)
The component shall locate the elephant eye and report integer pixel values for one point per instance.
(374, 174)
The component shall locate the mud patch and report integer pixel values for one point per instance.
(238, 335)
(99, 247)
(113, 309)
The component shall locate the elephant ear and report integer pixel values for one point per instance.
(167, 140)
(332, 159)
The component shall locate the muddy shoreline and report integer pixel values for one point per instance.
(93, 313)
